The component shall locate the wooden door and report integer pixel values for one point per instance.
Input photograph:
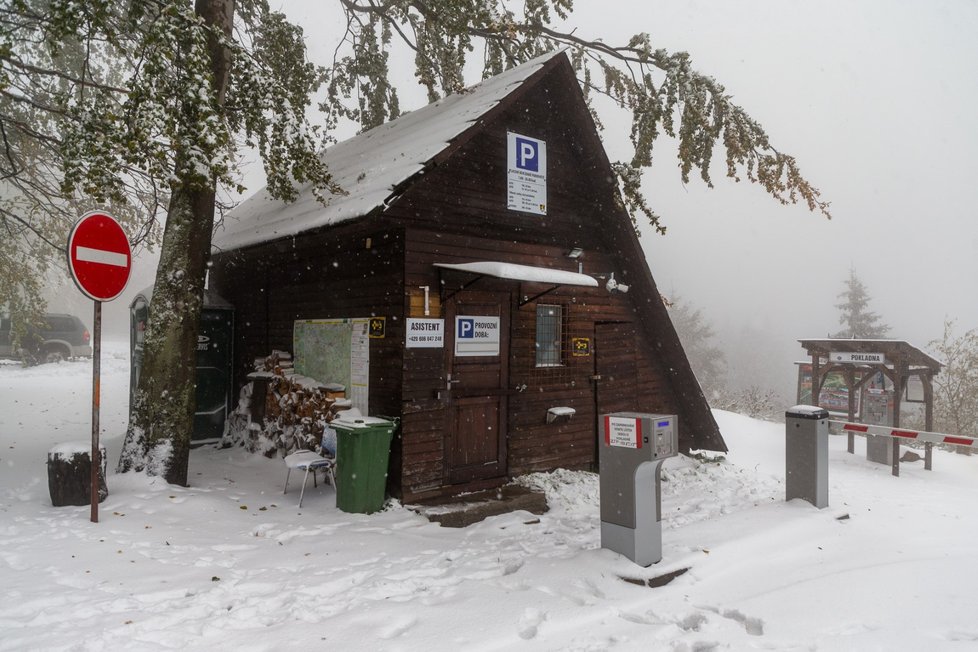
(616, 367)
(477, 387)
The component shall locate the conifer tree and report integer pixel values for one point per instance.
(858, 321)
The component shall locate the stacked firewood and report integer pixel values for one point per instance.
(280, 411)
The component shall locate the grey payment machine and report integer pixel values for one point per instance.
(631, 449)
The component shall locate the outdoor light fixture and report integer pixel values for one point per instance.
(577, 254)
(613, 285)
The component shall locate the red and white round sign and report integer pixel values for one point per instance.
(99, 256)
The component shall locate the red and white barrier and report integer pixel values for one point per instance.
(843, 427)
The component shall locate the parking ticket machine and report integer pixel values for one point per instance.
(632, 448)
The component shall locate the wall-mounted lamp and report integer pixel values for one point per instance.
(577, 254)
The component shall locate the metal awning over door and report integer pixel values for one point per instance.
(525, 273)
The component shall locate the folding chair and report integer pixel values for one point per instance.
(306, 460)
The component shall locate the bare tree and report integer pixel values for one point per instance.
(956, 387)
(698, 338)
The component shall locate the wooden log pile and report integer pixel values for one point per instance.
(280, 411)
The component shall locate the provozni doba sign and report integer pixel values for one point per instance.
(476, 335)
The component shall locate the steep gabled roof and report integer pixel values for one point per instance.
(372, 165)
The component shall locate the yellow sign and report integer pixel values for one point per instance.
(378, 325)
(581, 347)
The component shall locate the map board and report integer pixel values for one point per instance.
(335, 351)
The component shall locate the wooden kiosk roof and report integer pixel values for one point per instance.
(896, 351)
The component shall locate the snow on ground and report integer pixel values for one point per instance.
(231, 563)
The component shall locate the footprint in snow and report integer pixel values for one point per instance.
(753, 626)
(692, 622)
(530, 623)
(647, 618)
(398, 627)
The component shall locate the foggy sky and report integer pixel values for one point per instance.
(875, 101)
(874, 98)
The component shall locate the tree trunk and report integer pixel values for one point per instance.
(162, 414)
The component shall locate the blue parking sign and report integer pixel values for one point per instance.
(527, 154)
(526, 174)
(466, 329)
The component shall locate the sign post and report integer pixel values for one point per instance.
(100, 260)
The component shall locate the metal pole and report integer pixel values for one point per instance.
(96, 359)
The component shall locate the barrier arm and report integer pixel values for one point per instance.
(928, 438)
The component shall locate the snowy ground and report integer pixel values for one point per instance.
(231, 563)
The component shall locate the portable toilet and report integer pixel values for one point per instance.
(214, 355)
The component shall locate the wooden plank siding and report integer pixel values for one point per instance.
(455, 212)
(330, 274)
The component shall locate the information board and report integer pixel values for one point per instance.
(526, 174)
(335, 351)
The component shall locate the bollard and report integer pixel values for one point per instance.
(807, 454)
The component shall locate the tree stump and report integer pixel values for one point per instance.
(70, 474)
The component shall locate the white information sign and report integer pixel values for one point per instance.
(425, 333)
(623, 432)
(359, 389)
(526, 174)
(845, 357)
(476, 335)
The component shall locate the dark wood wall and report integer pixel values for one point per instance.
(353, 270)
(533, 444)
(456, 212)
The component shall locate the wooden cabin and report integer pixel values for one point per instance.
(484, 245)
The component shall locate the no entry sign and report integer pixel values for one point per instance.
(99, 256)
(100, 259)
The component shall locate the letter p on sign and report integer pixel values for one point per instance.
(527, 157)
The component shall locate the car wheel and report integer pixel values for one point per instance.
(54, 355)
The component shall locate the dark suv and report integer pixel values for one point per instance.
(59, 338)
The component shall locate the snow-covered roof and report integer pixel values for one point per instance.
(911, 353)
(369, 166)
(515, 272)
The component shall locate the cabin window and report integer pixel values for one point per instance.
(550, 326)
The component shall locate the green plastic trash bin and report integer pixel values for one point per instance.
(362, 451)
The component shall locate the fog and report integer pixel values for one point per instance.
(874, 98)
